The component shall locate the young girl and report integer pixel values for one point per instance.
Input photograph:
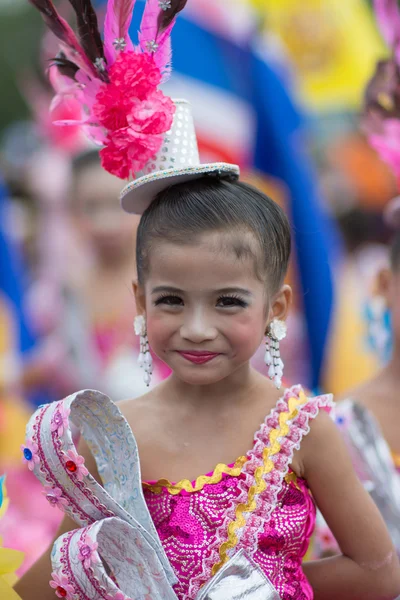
(98, 308)
(212, 255)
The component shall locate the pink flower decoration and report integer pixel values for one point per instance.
(153, 115)
(59, 421)
(75, 464)
(55, 497)
(60, 583)
(112, 107)
(117, 596)
(30, 454)
(135, 74)
(128, 151)
(87, 550)
(133, 112)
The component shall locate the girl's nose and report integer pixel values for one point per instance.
(197, 328)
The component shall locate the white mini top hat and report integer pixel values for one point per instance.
(176, 162)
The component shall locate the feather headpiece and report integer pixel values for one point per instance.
(115, 82)
(381, 118)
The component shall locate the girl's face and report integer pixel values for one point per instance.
(100, 218)
(206, 310)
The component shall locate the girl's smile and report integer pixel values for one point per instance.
(198, 357)
(206, 310)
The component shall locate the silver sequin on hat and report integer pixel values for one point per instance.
(177, 161)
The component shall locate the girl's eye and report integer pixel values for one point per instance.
(231, 302)
(169, 301)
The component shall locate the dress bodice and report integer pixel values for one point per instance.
(188, 523)
(199, 523)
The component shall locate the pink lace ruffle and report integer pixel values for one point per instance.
(266, 501)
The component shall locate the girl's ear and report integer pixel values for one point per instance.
(138, 292)
(383, 285)
(281, 304)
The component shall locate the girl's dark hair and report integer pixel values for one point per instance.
(395, 252)
(184, 211)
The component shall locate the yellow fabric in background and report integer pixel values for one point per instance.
(349, 361)
(10, 560)
(13, 414)
(333, 46)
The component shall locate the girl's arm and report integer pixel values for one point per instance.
(34, 585)
(368, 567)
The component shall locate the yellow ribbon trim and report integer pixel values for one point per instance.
(292, 478)
(188, 486)
(259, 486)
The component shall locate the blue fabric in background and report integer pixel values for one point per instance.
(13, 275)
(13, 282)
(279, 151)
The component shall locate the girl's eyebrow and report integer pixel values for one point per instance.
(173, 290)
(235, 290)
(166, 288)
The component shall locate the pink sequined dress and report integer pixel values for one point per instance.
(257, 505)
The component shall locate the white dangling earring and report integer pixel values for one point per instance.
(145, 360)
(276, 333)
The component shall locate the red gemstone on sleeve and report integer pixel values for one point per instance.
(71, 466)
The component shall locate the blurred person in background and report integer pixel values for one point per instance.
(80, 240)
(98, 307)
(368, 413)
(29, 526)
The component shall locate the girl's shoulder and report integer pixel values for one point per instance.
(308, 421)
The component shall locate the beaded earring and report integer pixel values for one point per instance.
(276, 332)
(145, 360)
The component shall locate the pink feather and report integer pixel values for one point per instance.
(90, 88)
(149, 25)
(163, 55)
(64, 32)
(388, 17)
(116, 26)
(151, 30)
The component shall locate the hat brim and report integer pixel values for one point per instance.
(137, 195)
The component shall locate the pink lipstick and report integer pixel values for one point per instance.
(199, 358)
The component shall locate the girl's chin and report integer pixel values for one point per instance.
(202, 376)
(199, 380)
